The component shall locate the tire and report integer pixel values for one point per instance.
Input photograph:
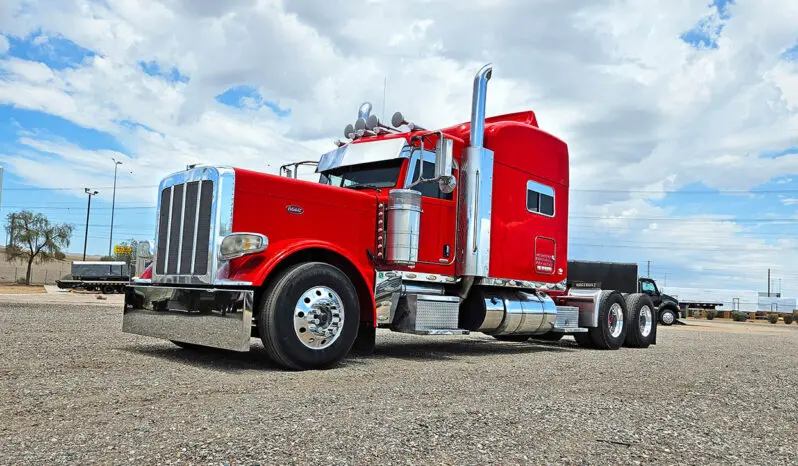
(297, 296)
(667, 317)
(108, 289)
(641, 321)
(515, 338)
(612, 321)
(551, 336)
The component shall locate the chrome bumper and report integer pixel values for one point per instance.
(219, 318)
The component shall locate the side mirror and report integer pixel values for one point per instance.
(444, 161)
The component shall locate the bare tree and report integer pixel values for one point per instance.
(32, 238)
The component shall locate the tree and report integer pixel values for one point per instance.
(32, 238)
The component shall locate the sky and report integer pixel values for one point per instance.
(681, 116)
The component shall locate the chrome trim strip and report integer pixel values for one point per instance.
(182, 227)
(196, 226)
(168, 229)
(208, 317)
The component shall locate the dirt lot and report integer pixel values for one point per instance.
(76, 390)
(21, 289)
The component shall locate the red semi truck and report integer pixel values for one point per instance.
(430, 232)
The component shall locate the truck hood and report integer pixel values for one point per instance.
(287, 209)
(668, 298)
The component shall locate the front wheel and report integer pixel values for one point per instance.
(309, 317)
(667, 317)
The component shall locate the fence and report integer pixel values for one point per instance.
(41, 274)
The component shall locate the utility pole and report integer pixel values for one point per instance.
(88, 212)
(768, 283)
(113, 203)
(648, 269)
(779, 287)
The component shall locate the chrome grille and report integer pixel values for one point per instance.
(184, 228)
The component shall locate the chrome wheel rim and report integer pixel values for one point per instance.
(667, 317)
(645, 321)
(615, 320)
(318, 317)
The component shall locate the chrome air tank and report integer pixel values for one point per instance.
(402, 226)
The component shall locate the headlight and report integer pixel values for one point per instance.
(240, 244)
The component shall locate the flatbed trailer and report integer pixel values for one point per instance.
(104, 286)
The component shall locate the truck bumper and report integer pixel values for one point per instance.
(219, 318)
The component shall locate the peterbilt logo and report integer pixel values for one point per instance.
(294, 209)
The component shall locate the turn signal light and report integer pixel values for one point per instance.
(241, 244)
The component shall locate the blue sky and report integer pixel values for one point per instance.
(681, 120)
(133, 218)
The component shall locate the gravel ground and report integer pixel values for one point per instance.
(77, 390)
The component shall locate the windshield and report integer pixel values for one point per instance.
(382, 174)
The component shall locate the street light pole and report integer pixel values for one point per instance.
(88, 211)
(113, 204)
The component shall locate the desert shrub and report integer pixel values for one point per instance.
(787, 318)
(773, 318)
(739, 316)
(710, 313)
(22, 281)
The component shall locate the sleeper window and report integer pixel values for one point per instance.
(539, 198)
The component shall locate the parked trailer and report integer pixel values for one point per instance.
(623, 277)
(713, 298)
(429, 232)
(105, 276)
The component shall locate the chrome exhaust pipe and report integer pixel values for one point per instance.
(476, 189)
(478, 100)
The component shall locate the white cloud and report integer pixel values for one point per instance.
(4, 45)
(640, 109)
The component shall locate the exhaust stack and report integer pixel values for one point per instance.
(478, 100)
(476, 193)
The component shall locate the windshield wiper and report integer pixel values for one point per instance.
(365, 186)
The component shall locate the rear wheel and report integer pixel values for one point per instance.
(309, 317)
(667, 317)
(612, 322)
(641, 320)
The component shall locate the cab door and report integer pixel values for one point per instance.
(436, 248)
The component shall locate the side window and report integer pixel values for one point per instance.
(539, 198)
(648, 286)
(428, 189)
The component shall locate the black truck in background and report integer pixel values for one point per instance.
(622, 277)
